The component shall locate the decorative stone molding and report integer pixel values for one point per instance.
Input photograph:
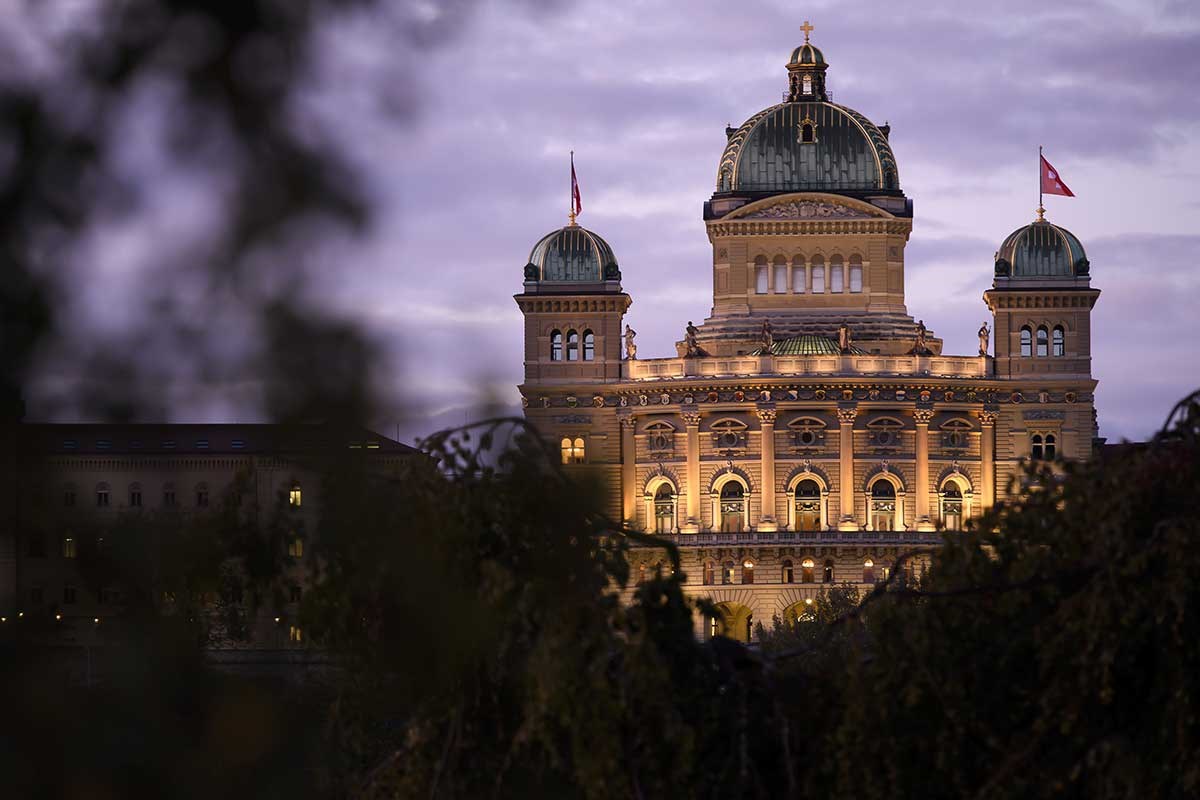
(626, 420)
(846, 416)
(988, 418)
(767, 415)
(573, 419)
(1043, 415)
(806, 209)
(923, 416)
(690, 418)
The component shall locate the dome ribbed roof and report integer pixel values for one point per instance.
(1041, 250)
(808, 344)
(772, 152)
(807, 54)
(572, 253)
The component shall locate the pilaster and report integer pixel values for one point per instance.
(628, 470)
(987, 458)
(846, 416)
(922, 417)
(766, 419)
(691, 420)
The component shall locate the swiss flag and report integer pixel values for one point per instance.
(576, 200)
(1051, 182)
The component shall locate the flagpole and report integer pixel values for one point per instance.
(1041, 211)
(571, 191)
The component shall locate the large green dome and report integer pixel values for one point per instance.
(1041, 250)
(572, 254)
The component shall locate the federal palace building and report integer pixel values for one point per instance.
(810, 429)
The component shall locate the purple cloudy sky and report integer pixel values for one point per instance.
(642, 91)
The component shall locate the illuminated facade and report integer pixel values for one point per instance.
(809, 430)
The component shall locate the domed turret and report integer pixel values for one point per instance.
(572, 254)
(807, 143)
(1041, 250)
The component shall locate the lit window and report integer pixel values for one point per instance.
(556, 346)
(572, 345)
(818, 275)
(1042, 341)
(781, 273)
(572, 450)
(883, 506)
(1057, 341)
(789, 573)
(835, 275)
(806, 571)
(709, 573)
(761, 275)
(727, 572)
(952, 507)
(1026, 342)
(102, 496)
(202, 496)
(808, 505)
(295, 635)
(664, 509)
(296, 547)
(747, 571)
(294, 496)
(732, 506)
(798, 275)
(713, 627)
(70, 548)
(868, 571)
(589, 346)
(806, 84)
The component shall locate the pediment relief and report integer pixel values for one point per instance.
(806, 210)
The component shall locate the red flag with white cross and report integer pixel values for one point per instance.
(1051, 181)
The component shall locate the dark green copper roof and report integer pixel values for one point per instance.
(572, 253)
(807, 54)
(766, 153)
(807, 344)
(1041, 250)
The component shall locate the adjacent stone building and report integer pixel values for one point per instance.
(810, 430)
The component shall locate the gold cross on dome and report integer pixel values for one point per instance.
(807, 28)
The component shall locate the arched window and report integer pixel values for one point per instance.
(169, 498)
(883, 505)
(835, 275)
(1035, 447)
(747, 571)
(952, 507)
(589, 346)
(1057, 341)
(868, 571)
(727, 572)
(806, 87)
(781, 273)
(806, 571)
(761, 275)
(818, 275)
(664, 509)
(294, 496)
(827, 574)
(714, 627)
(788, 572)
(556, 346)
(808, 505)
(709, 572)
(572, 450)
(1050, 447)
(135, 495)
(856, 274)
(1026, 342)
(798, 275)
(733, 506)
(1042, 341)
(103, 498)
(808, 131)
(572, 345)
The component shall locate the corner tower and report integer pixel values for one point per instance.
(573, 306)
(808, 224)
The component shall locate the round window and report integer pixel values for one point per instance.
(808, 437)
(885, 437)
(729, 439)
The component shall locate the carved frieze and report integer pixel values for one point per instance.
(806, 209)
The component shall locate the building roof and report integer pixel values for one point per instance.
(807, 54)
(1041, 250)
(573, 254)
(807, 344)
(198, 439)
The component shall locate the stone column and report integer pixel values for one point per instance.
(846, 461)
(923, 417)
(628, 470)
(766, 419)
(691, 419)
(987, 458)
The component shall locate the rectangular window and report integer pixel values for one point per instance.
(70, 548)
(760, 280)
(202, 444)
(202, 498)
(135, 498)
(295, 635)
(818, 280)
(69, 498)
(296, 547)
(855, 278)
(169, 498)
(238, 444)
(294, 594)
(798, 279)
(781, 272)
(102, 498)
(69, 594)
(835, 279)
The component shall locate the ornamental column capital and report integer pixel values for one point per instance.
(988, 418)
(846, 416)
(690, 418)
(767, 415)
(923, 416)
(626, 419)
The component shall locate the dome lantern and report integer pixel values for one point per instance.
(1041, 250)
(572, 255)
(806, 72)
